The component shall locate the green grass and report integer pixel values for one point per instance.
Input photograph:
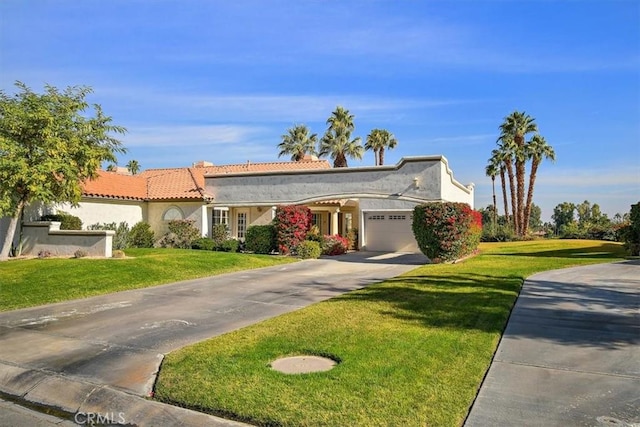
(413, 350)
(28, 283)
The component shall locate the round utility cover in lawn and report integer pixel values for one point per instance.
(303, 364)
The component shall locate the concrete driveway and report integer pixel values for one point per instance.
(570, 355)
(119, 339)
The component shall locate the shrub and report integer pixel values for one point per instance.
(308, 249)
(204, 244)
(352, 237)
(631, 232)
(44, 254)
(80, 253)
(261, 239)
(314, 234)
(446, 231)
(334, 245)
(141, 235)
(219, 233)
(118, 254)
(292, 224)
(121, 238)
(181, 234)
(67, 222)
(230, 245)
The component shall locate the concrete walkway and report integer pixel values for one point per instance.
(101, 355)
(570, 355)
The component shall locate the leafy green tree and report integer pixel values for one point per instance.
(133, 167)
(49, 145)
(514, 130)
(337, 143)
(535, 217)
(584, 213)
(537, 150)
(379, 140)
(298, 142)
(563, 215)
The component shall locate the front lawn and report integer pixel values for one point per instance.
(412, 350)
(28, 283)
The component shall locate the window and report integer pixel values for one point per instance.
(220, 216)
(348, 219)
(241, 224)
(316, 219)
(397, 217)
(172, 213)
(375, 217)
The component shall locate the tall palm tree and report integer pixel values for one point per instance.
(297, 143)
(379, 140)
(337, 142)
(516, 126)
(496, 156)
(133, 167)
(492, 170)
(537, 150)
(506, 148)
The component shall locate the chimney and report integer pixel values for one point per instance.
(202, 164)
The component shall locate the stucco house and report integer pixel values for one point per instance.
(378, 201)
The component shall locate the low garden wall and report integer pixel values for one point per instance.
(46, 236)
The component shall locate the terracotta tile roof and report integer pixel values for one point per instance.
(117, 186)
(266, 167)
(179, 183)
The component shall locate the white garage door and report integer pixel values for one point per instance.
(389, 231)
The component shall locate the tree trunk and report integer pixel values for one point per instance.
(504, 195)
(340, 161)
(495, 207)
(381, 156)
(11, 231)
(520, 177)
(532, 180)
(512, 190)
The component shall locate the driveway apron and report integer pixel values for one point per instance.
(570, 355)
(119, 339)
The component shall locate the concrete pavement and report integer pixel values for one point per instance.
(99, 356)
(570, 354)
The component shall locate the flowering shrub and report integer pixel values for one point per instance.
(446, 231)
(292, 224)
(334, 245)
(181, 233)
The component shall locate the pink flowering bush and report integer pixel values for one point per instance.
(446, 231)
(334, 245)
(292, 224)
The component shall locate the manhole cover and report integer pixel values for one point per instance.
(303, 364)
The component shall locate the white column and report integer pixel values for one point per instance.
(334, 222)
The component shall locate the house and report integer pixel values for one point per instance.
(377, 201)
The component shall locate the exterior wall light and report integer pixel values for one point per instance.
(416, 183)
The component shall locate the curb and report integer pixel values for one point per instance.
(87, 403)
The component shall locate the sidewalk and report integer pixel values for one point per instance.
(570, 355)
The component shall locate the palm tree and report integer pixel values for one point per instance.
(516, 126)
(297, 143)
(492, 170)
(337, 142)
(377, 141)
(537, 150)
(506, 148)
(133, 167)
(496, 156)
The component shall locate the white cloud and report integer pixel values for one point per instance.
(180, 136)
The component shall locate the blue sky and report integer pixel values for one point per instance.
(223, 80)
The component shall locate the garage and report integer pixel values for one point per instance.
(389, 231)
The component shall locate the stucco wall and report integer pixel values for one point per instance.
(191, 210)
(47, 236)
(411, 180)
(100, 211)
